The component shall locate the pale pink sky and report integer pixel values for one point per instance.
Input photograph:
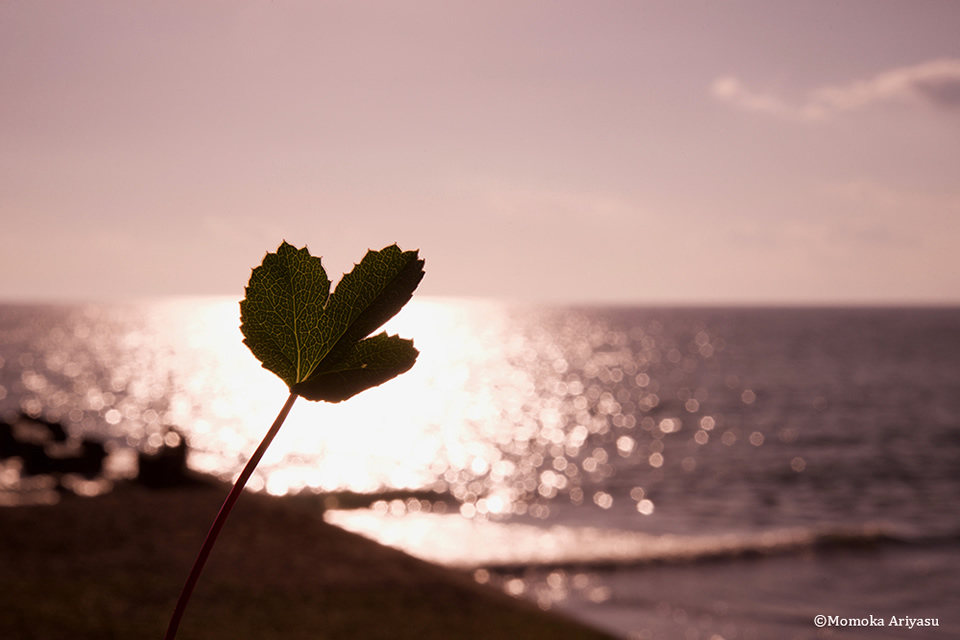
(746, 152)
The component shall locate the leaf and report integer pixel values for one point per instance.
(372, 293)
(314, 341)
(281, 314)
(370, 363)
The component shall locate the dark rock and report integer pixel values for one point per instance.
(87, 461)
(44, 449)
(167, 467)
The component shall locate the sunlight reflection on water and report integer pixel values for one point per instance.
(506, 408)
(406, 434)
(671, 420)
(128, 372)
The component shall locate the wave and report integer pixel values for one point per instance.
(606, 549)
(509, 546)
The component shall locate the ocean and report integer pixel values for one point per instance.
(696, 473)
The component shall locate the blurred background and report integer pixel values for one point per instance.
(689, 332)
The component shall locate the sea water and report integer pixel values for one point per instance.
(662, 473)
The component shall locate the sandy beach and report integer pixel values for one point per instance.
(112, 567)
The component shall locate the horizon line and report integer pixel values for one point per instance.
(20, 300)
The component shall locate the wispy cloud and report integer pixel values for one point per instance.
(936, 83)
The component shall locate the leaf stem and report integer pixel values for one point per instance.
(222, 518)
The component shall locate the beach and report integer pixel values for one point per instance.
(112, 566)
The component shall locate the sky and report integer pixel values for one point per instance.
(607, 152)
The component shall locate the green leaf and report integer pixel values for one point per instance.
(371, 294)
(314, 341)
(281, 314)
(369, 363)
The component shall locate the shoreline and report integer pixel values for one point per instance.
(112, 566)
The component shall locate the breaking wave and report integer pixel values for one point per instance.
(454, 541)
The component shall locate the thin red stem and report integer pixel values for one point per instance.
(222, 518)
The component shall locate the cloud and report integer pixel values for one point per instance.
(935, 83)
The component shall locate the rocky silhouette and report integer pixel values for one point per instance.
(44, 447)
